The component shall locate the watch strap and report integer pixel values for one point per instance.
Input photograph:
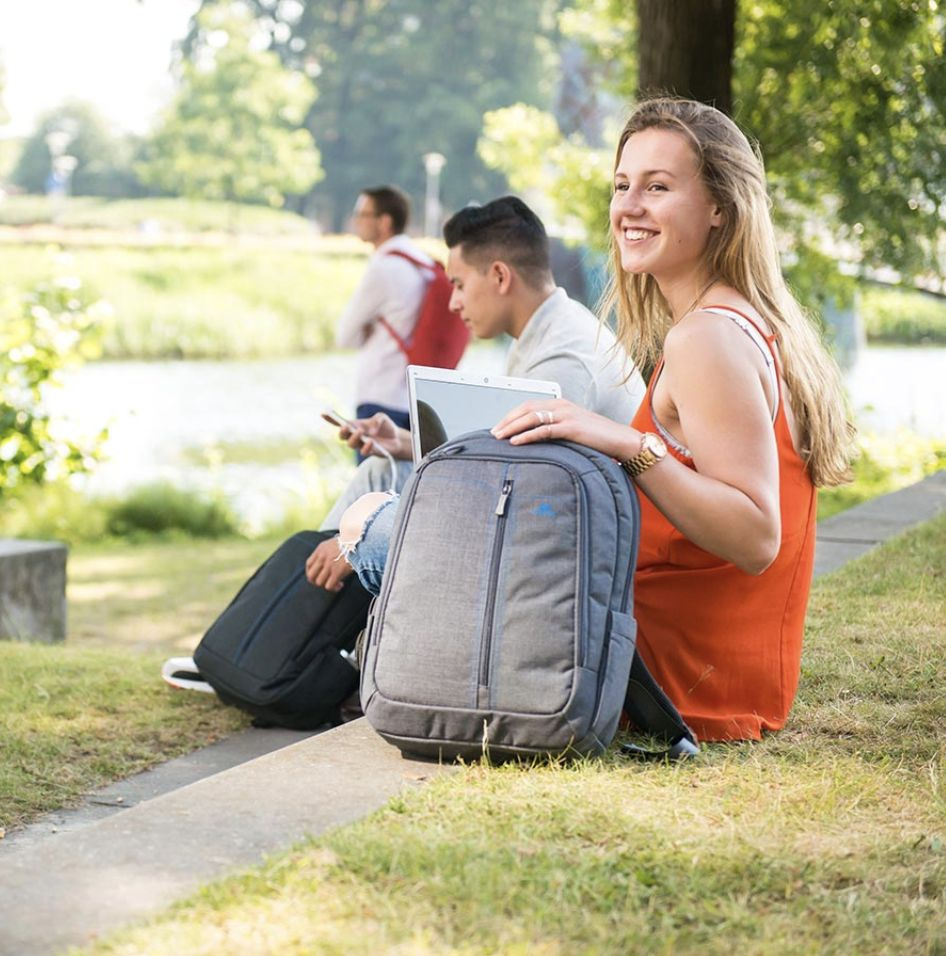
(645, 458)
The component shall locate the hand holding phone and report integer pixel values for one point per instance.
(339, 421)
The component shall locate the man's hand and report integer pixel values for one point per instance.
(326, 567)
(378, 431)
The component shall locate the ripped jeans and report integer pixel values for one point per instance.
(368, 553)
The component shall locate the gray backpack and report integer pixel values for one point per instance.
(504, 626)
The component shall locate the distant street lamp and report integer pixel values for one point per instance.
(433, 164)
(61, 167)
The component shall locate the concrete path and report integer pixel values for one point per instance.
(82, 883)
(171, 775)
(854, 532)
(64, 885)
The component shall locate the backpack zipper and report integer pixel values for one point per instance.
(486, 640)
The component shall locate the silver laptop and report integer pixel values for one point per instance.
(445, 403)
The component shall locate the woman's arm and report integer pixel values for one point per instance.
(729, 505)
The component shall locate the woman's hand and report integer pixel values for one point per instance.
(560, 419)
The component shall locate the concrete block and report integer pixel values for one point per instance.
(32, 590)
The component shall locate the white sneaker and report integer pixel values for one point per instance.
(182, 672)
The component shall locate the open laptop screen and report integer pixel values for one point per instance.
(446, 403)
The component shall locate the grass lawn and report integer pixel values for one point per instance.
(81, 715)
(74, 718)
(827, 838)
(158, 597)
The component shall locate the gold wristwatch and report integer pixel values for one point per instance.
(653, 449)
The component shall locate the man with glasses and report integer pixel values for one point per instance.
(392, 289)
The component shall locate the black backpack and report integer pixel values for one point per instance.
(276, 650)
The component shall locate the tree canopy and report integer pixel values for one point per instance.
(848, 100)
(102, 160)
(845, 97)
(234, 131)
(400, 79)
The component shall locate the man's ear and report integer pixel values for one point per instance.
(501, 275)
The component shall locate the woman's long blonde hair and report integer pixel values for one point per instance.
(743, 254)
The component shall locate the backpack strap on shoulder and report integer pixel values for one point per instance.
(399, 340)
(417, 262)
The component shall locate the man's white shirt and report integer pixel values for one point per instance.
(391, 288)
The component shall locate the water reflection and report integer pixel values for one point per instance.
(163, 416)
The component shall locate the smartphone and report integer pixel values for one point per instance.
(336, 419)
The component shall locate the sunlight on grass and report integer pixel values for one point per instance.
(158, 597)
(827, 837)
(76, 718)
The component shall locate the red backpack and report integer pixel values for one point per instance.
(440, 336)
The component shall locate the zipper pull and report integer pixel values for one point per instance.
(504, 497)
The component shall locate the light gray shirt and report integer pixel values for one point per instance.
(563, 342)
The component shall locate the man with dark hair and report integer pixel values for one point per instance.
(392, 289)
(502, 283)
(505, 229)
(389, 201)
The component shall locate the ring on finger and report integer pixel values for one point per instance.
(540, 415)
(548, 431)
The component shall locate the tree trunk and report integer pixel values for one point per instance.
(686, 47)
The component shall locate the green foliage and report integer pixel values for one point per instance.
(525, 144)
(41, 332)
(848, 100)
(902, 317)
(103, 161)
(885, 463)
(398, 80)
(160, 508)
(233, 132)
(153, 219)
(55, 511)
(234, 301)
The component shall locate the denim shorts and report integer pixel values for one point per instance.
(370, 555)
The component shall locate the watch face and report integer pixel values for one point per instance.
(653, 444)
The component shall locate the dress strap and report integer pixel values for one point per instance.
(764, 343)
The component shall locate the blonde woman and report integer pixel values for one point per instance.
(743, 419)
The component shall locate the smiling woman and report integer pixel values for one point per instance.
(742, 419)
(662, 214)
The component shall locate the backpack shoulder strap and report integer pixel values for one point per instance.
(654, 713)
(430, 267)
(399, 340)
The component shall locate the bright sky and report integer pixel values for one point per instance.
(114, 54)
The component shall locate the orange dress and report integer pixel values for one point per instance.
(723, 644)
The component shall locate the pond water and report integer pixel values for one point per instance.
(165, 418)
(168, 421)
